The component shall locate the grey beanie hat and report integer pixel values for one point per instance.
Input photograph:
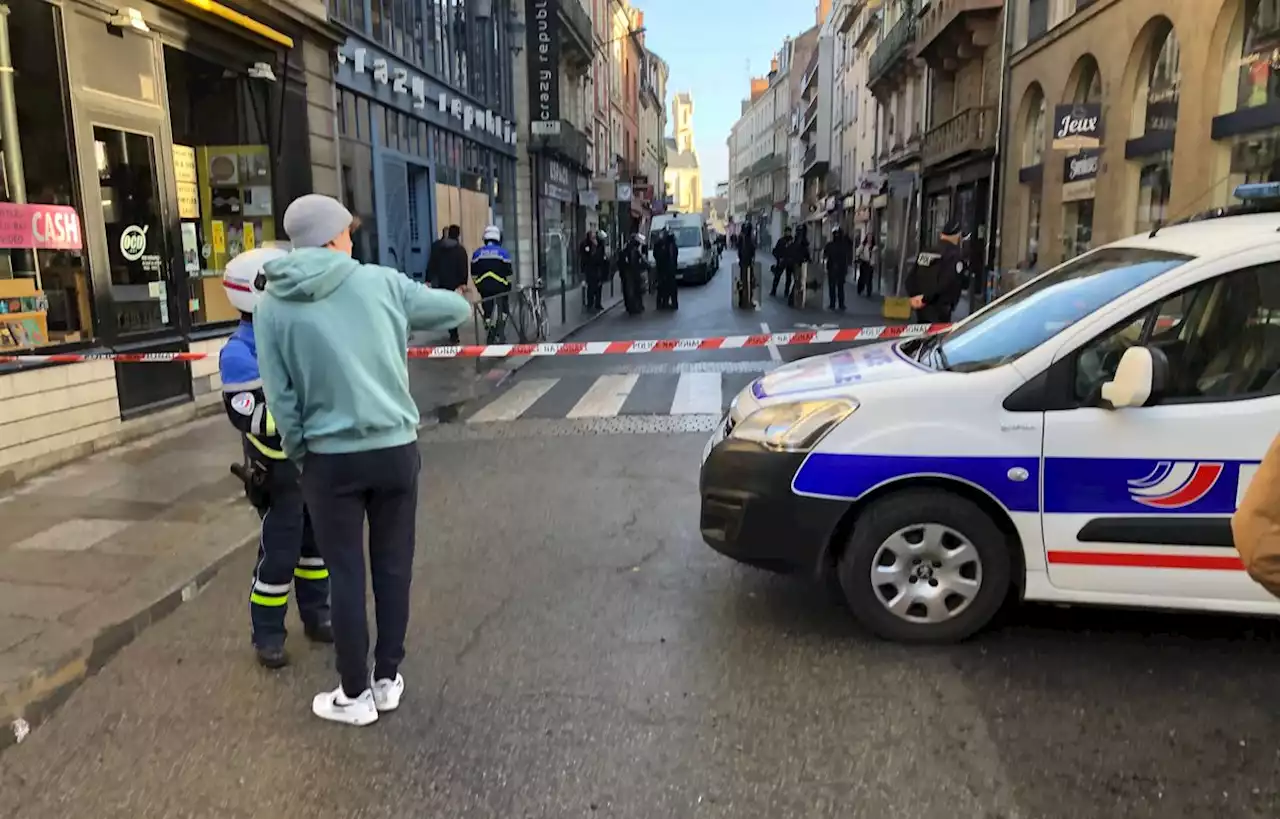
(315, 220)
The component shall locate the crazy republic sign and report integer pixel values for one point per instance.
(1076, 127)
(542, 19)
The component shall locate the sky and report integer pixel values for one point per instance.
(708, 44)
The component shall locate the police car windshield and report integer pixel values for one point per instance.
(1014, 327)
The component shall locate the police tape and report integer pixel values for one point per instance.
(563, 348)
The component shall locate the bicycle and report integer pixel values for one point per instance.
(530, 316)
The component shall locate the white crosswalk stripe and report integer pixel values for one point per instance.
(697, 394)
(515, 401)
(607, 395)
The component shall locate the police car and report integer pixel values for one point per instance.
(1084, 439)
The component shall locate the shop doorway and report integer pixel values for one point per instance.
(406, 234)
(128, 210)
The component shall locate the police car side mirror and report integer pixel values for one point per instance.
(1139, 381)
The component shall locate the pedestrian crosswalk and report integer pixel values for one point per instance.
(615, 394)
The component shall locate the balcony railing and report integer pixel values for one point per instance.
(870, 22)
(570, 144)
(578, 22)
(810, 157)
(973, 129)
(960, 17)
(893, 49)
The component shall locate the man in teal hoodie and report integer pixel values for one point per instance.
(332, 338)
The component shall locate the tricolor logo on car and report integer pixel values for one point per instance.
(1176, 484)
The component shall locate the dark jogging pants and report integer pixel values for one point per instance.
(341, 491)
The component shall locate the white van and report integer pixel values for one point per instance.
(1084, 439)
(695, 255)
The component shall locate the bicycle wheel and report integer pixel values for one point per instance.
(541, 323)
(524, 320)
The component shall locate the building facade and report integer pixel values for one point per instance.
(1179, 103)
(897, 81)
(154, 143)
(961, 44)
(426, 124)
(653, 129)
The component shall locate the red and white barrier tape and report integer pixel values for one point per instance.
(565, 348)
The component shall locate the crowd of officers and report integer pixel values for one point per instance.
(935, 283)
(632, 262)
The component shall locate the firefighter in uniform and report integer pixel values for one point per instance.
(287, 553)
(493, 273)
(936, 280)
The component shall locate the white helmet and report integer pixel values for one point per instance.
(640, 237)
(492, 234)
(602, 234)
(244, 280)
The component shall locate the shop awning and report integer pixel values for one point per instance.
(242, 20)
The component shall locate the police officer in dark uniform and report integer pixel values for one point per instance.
(493, 273)
(288, 559)
(936, 281)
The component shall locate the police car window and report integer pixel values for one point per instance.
(1222, 340)
(1015, 326)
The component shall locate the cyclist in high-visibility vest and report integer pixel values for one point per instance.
(287, 553)
(494, 274)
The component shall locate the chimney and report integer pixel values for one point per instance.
(759, 85)
(773, 66)
(824, 11)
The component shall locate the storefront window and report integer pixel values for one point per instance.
(1255, 158)
(1155, 183)
(1034, 137)
(1077, 228)
(44, 285)
(1164, 80)
(1089, 86)
(1031, 253)
(1259, 71)
(222, 166)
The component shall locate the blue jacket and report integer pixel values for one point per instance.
(332, 339)
(242, 394)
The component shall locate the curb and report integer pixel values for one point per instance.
(41, 692)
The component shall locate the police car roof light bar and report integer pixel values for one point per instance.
(1258, 192)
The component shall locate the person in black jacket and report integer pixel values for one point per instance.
(665, 257)
(935, 282)
(631, 265)
(782, 252)
(594, 264)
(839, 254)
(448, 266)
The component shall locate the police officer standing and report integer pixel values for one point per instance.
(936, 281)
(594, 264)
(839, 254)
(665, 260)
(631, 265)
(287, 553)
(493, 273)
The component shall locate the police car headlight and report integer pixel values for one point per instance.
(795, 427)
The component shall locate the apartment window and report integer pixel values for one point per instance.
(1033, 142)
(1037, 19)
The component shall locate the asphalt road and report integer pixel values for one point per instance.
(575, 650)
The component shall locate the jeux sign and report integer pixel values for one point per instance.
(1078, 126)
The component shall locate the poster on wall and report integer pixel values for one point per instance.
(542, 19)
(39, 227)
(1077, 127)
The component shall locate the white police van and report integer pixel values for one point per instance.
(1084, 439)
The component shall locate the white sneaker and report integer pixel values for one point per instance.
(387, 693)
(336, 706)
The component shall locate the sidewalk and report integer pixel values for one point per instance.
(94, 552)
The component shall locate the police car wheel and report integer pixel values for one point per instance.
(925, 566)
